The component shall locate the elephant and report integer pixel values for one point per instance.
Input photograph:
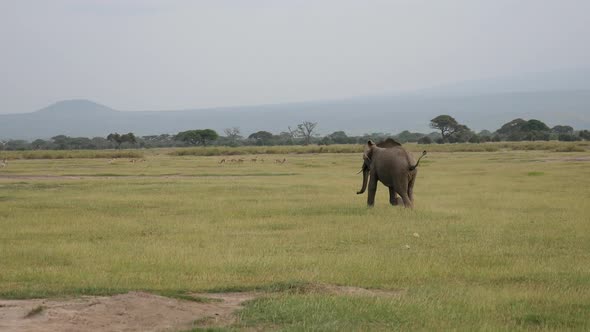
(391, 164)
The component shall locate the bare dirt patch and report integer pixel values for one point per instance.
(134, 311)
(140, 311)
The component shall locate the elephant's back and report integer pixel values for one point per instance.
(396, 158)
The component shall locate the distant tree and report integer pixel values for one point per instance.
(63, 142)
(261, 137)
(448, 126)
(17, 145)
(462, 135)
(483, 139)
(129, 138)
(568, 137)
(434, 135)
(233, 135)
(100, 143)
(78, 143)
(338, 137)
(197, 137)
(191, 137)
(208, 136)
(286, 137)
(534, 125)
(162, 140)
(305, 130)
(120, 139)
(585, 134)
(474, 139)
(485, 133)
(407, 136)
(115, 138)
(519, 129)
(562, 130)
(512, 128)
(40, 144)
(425, 140)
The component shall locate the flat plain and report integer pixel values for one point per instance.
(497, 240)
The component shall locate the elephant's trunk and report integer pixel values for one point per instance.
(365, 179)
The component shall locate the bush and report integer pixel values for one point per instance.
(425, 140)
(568, 138)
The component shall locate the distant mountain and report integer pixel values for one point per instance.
(559, 80)
(555, 98)
(75, 107)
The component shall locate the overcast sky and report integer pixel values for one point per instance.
(179, 54)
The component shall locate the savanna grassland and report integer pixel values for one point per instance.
(498, 240)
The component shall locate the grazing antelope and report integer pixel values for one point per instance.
(254, 160)
(240, 160)
(233, 160)
(222, 161)
(4, 163)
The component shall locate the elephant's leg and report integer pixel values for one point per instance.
(372, 190)
(402, 190)
(393, 196)
(407, 202)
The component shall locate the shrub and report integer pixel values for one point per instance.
(425, 140)
(568, 138)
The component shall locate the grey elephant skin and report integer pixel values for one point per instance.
(395, 167)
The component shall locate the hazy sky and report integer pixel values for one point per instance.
(175, 54)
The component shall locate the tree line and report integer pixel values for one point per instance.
(447, 130)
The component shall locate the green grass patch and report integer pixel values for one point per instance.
(535, 173)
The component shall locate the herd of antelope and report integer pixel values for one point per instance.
(133, 161)
(254, 160)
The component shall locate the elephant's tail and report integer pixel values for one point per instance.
(418, 162)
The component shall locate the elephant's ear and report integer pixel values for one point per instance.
(388, 143)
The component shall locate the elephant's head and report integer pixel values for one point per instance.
(367, 155)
